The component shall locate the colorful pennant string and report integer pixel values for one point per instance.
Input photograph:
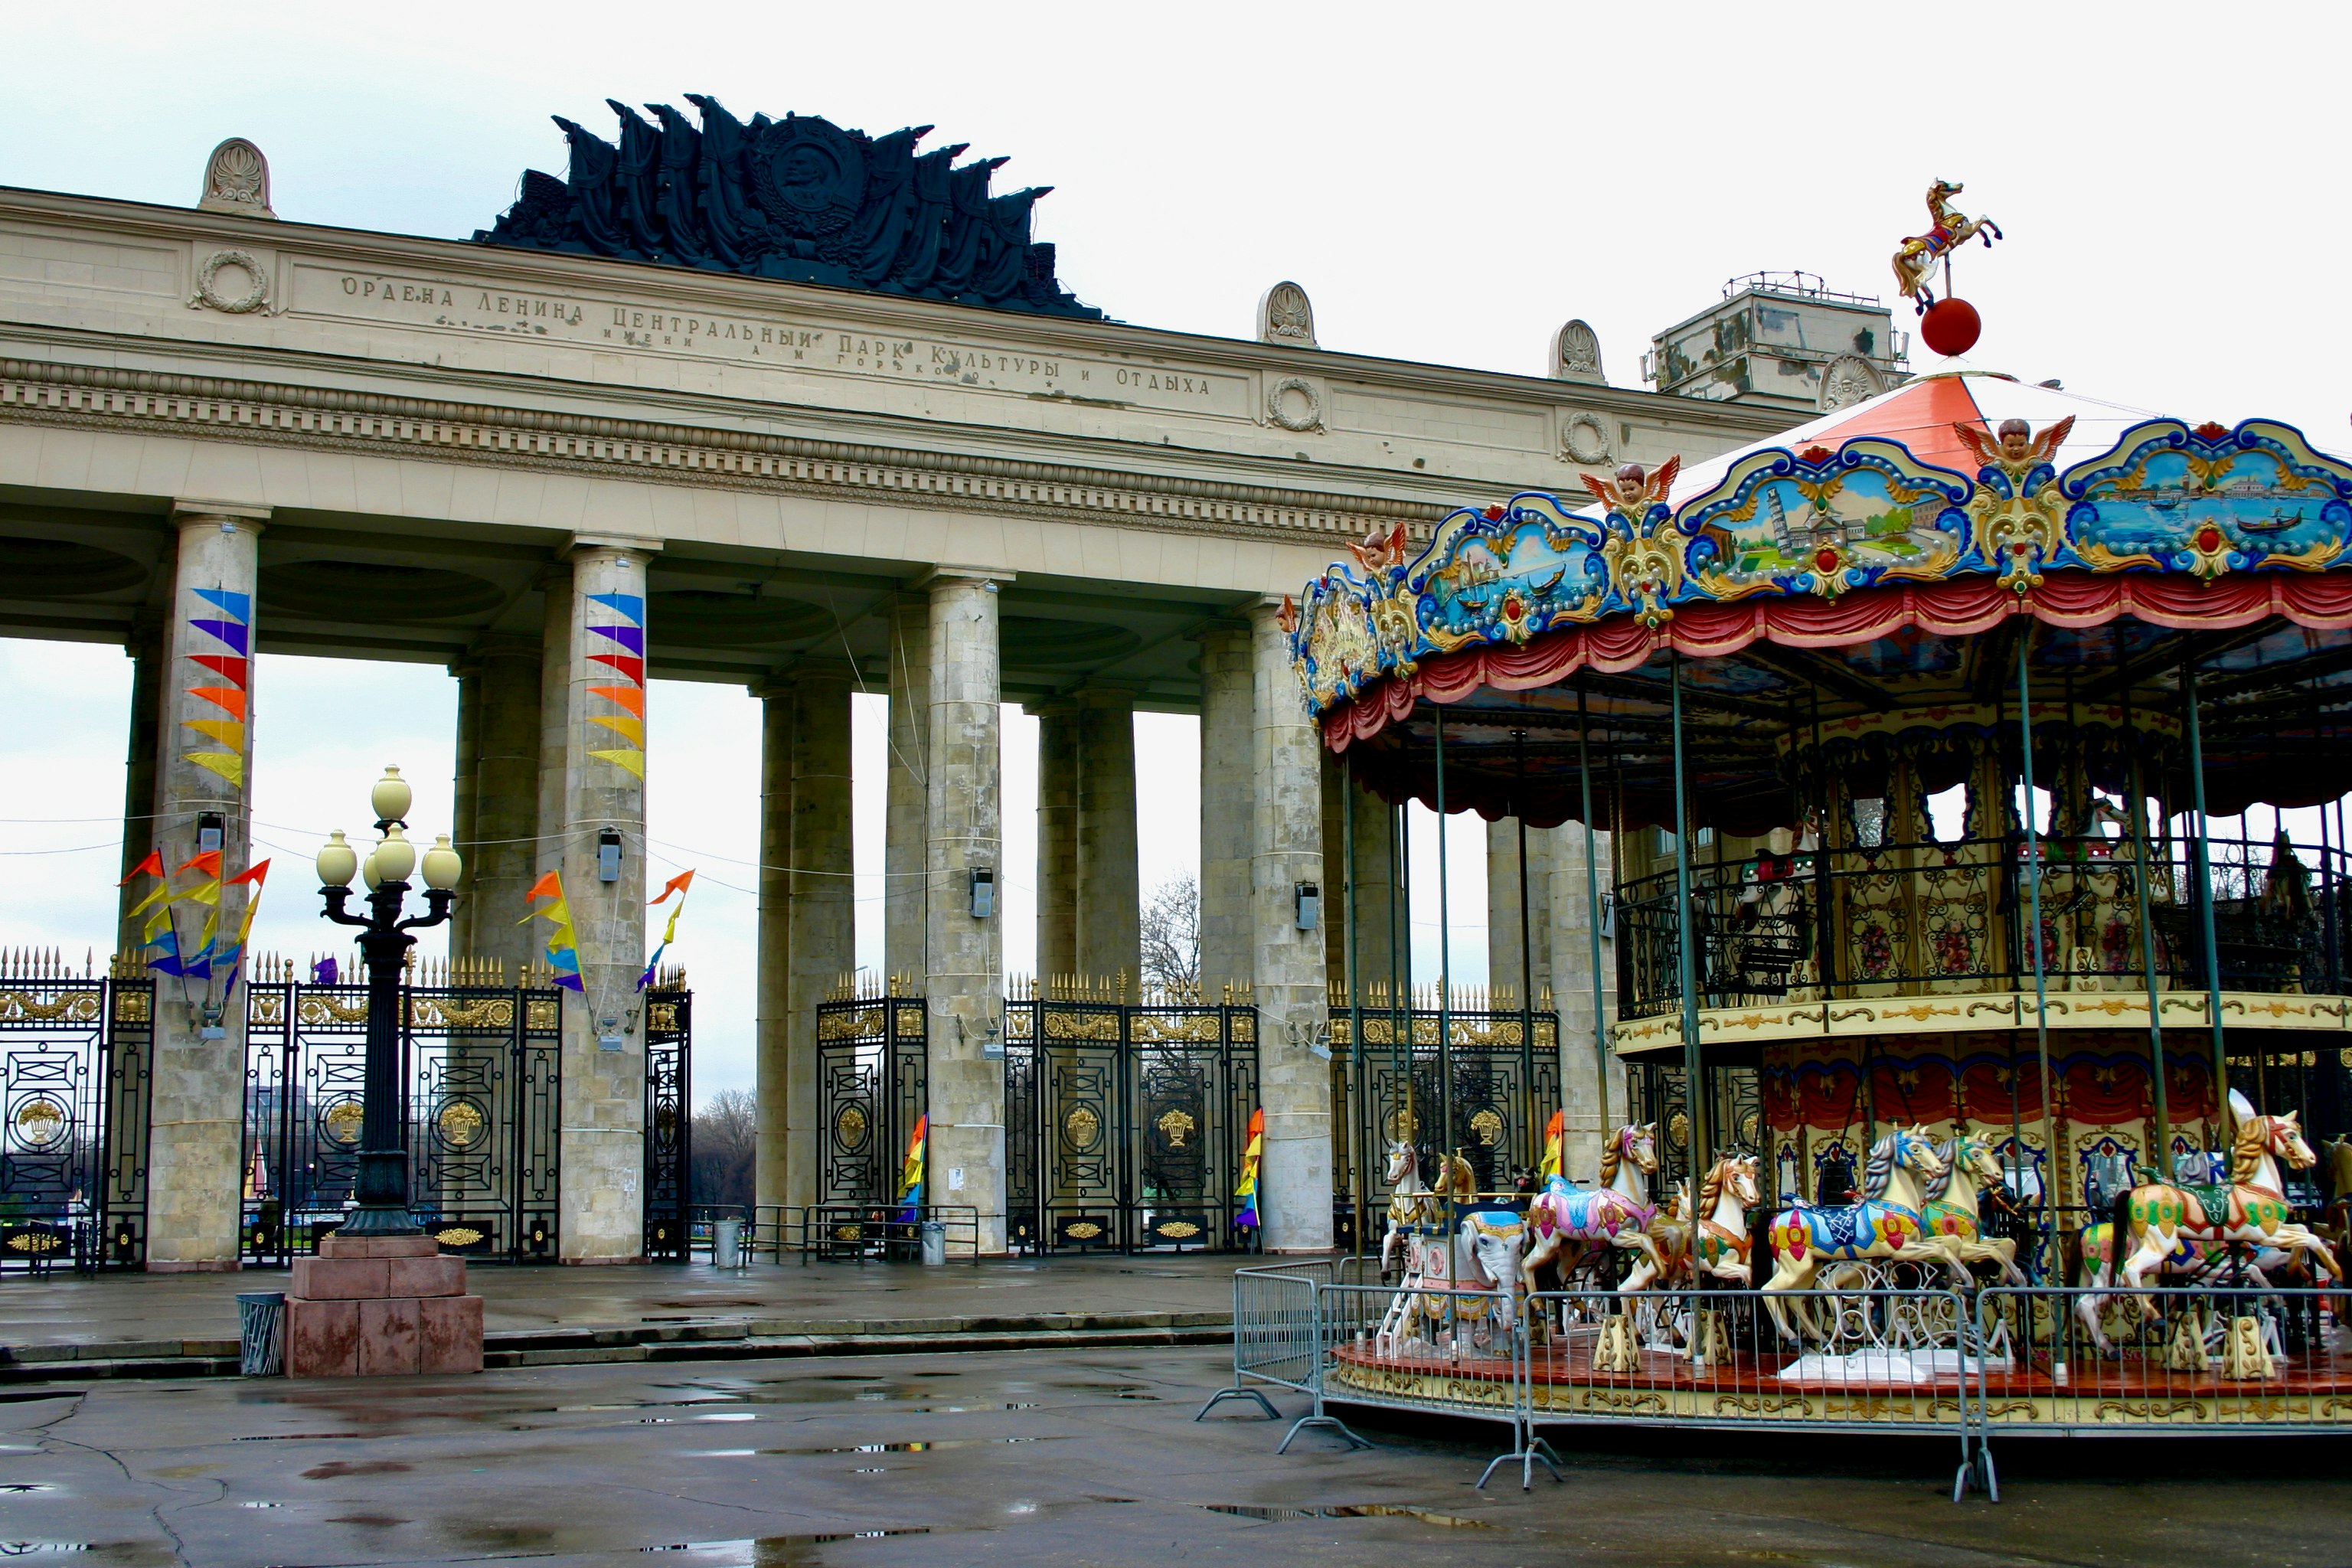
(910, 1173)
(232, 629)
(1247, 1191)
(627, 634)
(1555, 1137)
(677, 885)
(562, 944)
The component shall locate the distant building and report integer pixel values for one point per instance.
(1784, 340)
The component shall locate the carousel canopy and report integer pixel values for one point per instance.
(1875, 571)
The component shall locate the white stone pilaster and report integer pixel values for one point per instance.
(1583, 1070)
(1504, 971)
(150, 670)
(772, 1092)
(906, 834)
(1228, 726)
(1058, 840)
(1110, 895)
(603, 1138)
(965, 984)
(1285, 849)
(502, 848)
(823, 940)
(204, 752)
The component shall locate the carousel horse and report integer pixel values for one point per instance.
(1413, 1208)
(1569, 1220)
(1434, 1256)
(1886, 1224)
(2155, 1219)
(2339, 1188)
(1721, 1241)
(1970, 1169)
(1949, 228)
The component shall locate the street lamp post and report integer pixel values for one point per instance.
(384, 942)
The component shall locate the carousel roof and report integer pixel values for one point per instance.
(1870, 571)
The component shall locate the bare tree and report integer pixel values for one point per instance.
(1172, 934)
(725, 1142)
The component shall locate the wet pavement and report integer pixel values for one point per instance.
(70, 1309)
(1048, 1458)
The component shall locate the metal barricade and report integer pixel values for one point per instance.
(2233, 1356)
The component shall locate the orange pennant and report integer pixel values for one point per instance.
(547, 887)
(628, 697)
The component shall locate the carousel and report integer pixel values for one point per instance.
(1971, 763)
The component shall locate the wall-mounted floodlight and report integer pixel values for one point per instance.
(984, 893)
(1311, 903)
(209, 832)
(608, 854)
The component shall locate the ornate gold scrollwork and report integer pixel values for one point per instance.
(1176, 1126)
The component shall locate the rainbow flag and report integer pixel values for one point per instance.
(1247, 1190)
(1555, 1136)
(910, 1174)
(562, 945)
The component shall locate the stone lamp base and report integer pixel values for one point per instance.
(381, 1307)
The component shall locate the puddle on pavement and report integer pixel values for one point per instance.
(261, 1505)
(25, 1487)
(29, 1396)
(335, 1469)
(768, 1549)
(924, 1446)
(1347, 1510)
(306, 1437)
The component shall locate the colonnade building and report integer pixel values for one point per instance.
(565, 474)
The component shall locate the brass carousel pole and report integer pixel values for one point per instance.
(2034, 934)
(2163, 1162)
(2201, 864)
(1444, 969)
(1592, 926)
(1685, 958)
(1355, 994)
(1530, 1110)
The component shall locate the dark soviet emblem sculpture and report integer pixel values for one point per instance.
(797, 198)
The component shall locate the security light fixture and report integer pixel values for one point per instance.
(608, 854)
(1309, 903)
(984, 893)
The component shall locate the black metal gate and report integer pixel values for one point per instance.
(1126, 1123)
(1487, 1094)
(74, 1073)
(670, 1123)
(872, 1089)
(1735, 1117)
(483, 1070)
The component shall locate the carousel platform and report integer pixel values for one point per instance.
(1867, 1388)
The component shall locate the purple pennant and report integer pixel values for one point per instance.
(630, 638)
(230, 632)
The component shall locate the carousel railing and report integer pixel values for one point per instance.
(1941, 917)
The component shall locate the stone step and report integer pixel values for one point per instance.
(715, 1339)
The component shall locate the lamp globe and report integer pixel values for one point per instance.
(391, 797)
(338, 861)
(395, 858)
(442, 866)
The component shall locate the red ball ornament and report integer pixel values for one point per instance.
(1951, 327)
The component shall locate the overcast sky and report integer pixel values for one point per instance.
(1449, 185)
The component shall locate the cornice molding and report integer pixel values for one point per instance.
(326, 418)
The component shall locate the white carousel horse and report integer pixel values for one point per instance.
(1569, 1220)
(1434, 1259)
(2177, 1230)
(1969, 1168)
(1412, 1207)
(1721, 1241)
(1885, 1225)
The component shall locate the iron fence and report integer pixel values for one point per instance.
(76, 1060)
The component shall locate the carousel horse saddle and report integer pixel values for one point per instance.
(2210, 1200)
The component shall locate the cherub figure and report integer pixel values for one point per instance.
(2013, 447)
(1633, 489)
(1380, 551)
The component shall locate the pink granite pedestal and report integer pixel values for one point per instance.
(385, 1306)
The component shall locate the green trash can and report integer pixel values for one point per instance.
(261, 1333)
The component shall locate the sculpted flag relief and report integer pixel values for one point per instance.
(797, 198)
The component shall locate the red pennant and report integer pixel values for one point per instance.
(222, 665)
(151, 867)
(627, 664)
(257, 876)
(208, 863)
(547, 887)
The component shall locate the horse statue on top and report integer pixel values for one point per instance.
(1886, 1224)
(1949, 228)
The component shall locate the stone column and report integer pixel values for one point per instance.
(906, 834)
(1285, 849)
(824, 940)
(1505, 973)
(1581, 1073)
(149, 658)
(1110, 898)
(1228, 724)
(603, 1100)
(1058, 840)
(773, 1047)
(503, 852)
(965, 982)
(204, 752)
(467, 766)
(1375, 876)
(555, 664)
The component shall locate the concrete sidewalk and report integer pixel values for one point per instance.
(540, 1314)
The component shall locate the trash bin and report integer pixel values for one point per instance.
(261, 1333)
(726, 1243)
(935, 1243)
